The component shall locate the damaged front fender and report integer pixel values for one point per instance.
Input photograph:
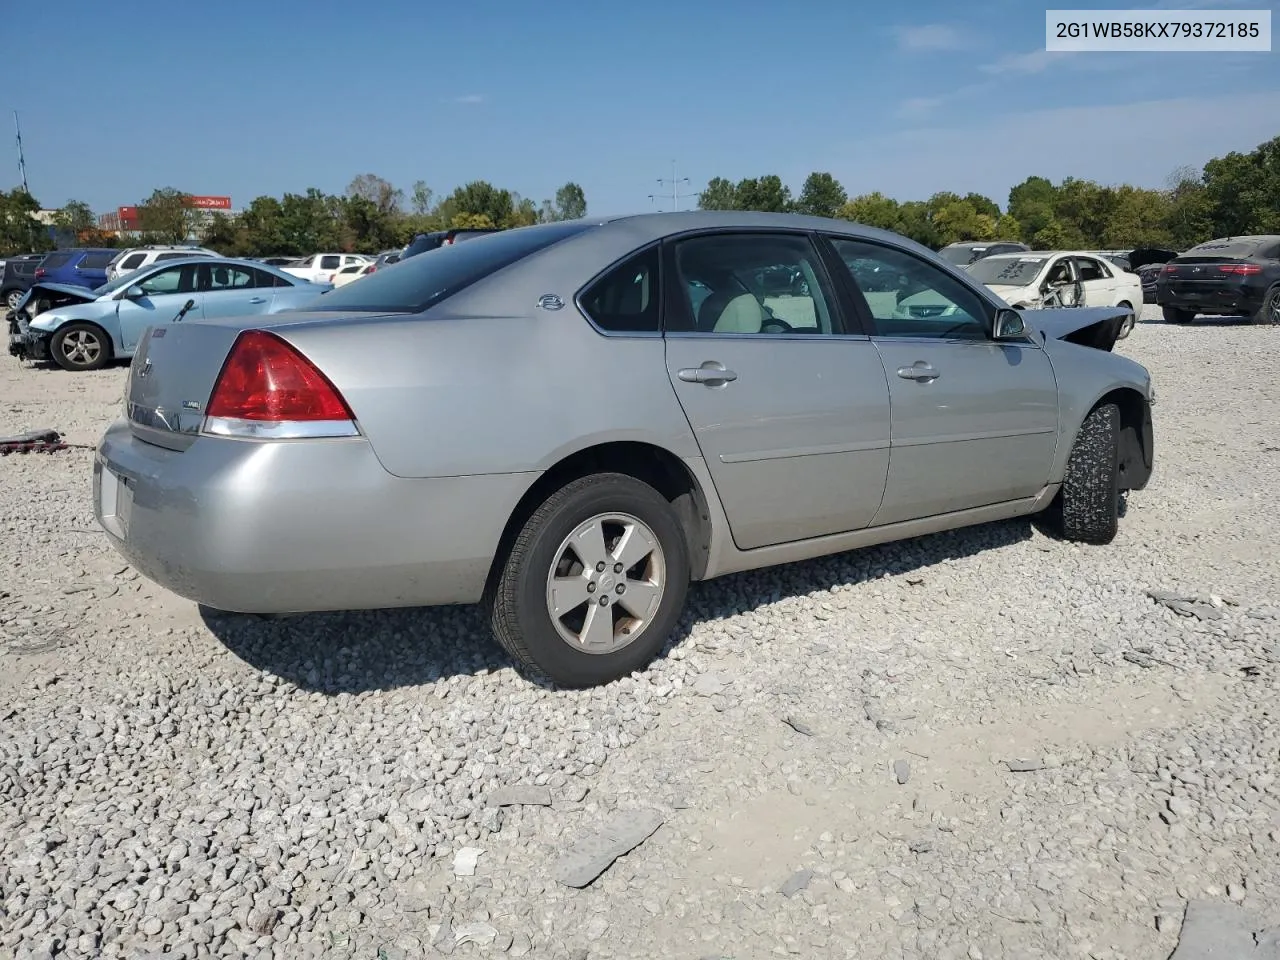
(1097, 327)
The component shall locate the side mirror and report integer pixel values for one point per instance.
(1009, 325)
(135, 292)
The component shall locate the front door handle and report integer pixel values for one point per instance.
(257, 299)
(712, 373)
(919, 371)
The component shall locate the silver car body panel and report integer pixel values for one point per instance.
(816, 447)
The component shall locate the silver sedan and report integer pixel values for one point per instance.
(570, 422)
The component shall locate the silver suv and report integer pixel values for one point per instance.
(137, 257)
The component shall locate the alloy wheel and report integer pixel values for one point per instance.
(606, 583)
(81, 347)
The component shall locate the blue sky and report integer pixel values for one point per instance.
(247, 98)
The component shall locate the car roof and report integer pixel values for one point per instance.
(1039, 254)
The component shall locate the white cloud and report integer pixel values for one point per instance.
(932, 36)
(1036, 61)
(1138, 143)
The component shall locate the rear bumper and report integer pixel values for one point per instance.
(294, 526)
(1210, 298)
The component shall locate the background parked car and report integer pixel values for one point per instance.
(135, 258)
(17, 273)
(347, 274)
(968, 251)
(1034, 280)
(385, 259)
(278, 261)
(80, 267)
(323, 267)
(440, 238)
(1147, 263)
(86, 329)
(1233, 276)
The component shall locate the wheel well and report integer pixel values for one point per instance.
(1135, 436)
(109, 343)
(649, 464)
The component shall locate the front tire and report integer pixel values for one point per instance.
(594, 583)
(80, 346)
(1269, 313)
(1126, 328)
(1089, 502)
(11, 298)
(1174, 315)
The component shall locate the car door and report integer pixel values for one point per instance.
(975, 422)
(164, 292)
(1097, 285)
(232, 291)
(789, 405)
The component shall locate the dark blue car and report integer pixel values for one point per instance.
(80, 267)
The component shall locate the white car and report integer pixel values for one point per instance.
(135, 258)
(347, 274)
(1039, 279)
(324, 267)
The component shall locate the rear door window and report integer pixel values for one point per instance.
(330, 262)
(55, 260)
(94, 261)
(132, 262)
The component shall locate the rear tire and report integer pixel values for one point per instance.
(1088, 509)
(1174, 315)
(1126, 328)
(552, 563)
(10, 299)
(1269, 313)
(80, 346)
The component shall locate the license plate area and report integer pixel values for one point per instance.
(115, 503)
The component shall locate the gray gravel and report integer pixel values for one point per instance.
(984, 744)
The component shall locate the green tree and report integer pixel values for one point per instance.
(1031, 203)
(421, 199)
(167, 216)
(479, 198)
(76, 217)
(307, 222)
(821, 196)
(377, 191)
(1244, 189)
(720, 194)
(20, 232)
(1190, 216)
(571, 202)
(874, 210)
(984, 205)
(767, 194)
(524, 212)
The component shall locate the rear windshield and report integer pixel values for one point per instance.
(961, 255)
(419, 283)
(1239, 247)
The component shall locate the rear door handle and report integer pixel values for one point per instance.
(711, 373)
(257, 299)
(919, 371)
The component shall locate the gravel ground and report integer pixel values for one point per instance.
(986, 744)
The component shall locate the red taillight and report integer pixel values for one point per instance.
(39, 272)
(1167, 270)
(447, 242)
(267, 381)
(1240, 269)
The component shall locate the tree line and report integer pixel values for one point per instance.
(1230, 196)
(369, 216)
(1236, 194)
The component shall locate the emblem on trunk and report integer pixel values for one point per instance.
(190, 404)
(549, 301)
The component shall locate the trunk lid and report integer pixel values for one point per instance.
(1202, 269)
(177, 364)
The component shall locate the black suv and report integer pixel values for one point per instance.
(440, 238)
(17, 273)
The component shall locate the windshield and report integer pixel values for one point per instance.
(421, 282)
(121, 281)
(1240, 248)
(961, 256)
(1007, 271)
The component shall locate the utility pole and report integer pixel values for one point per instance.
(22, 163)
(676, 195)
